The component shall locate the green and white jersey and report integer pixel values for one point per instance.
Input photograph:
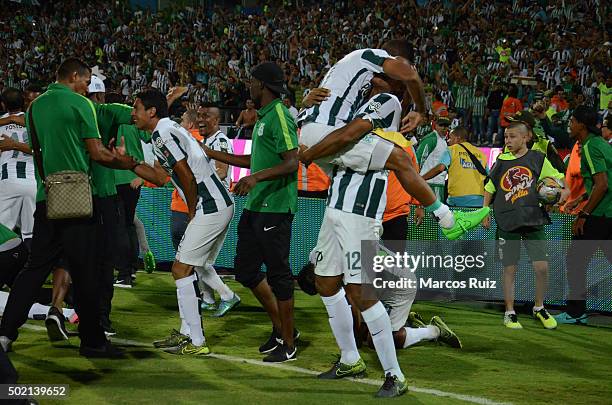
(366, 194)
(171, 144)
(220, 142)
(348, 80)
(16, 166)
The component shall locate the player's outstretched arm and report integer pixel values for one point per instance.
(288, 165)
(337, 140)
(105, 157)
(154, 174)
(7, 143)
(230, 159)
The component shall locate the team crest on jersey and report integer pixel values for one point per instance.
(516, 182)
(159, 142)
(375, 106)
(260, 129)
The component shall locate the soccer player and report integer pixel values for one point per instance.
(512, 189)
(328, 141)
(217, 140)
(17, 181)
(264, 231)
(210, 205)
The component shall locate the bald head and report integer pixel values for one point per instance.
(189, 120)
(209, 121)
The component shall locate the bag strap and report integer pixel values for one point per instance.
(475, 161)
(36, 150)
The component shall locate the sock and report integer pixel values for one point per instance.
(212, 279)
(416, 335)
(141, 234)
(38, 309)
(510, 312)
(537, 308)
(206, 292)
(68, 312)
(188, 301)
(184, 327)
(341, 322)
(379, 325)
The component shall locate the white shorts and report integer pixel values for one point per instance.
(17, 205)
(338, 250)
(204, 237)
(369, 153)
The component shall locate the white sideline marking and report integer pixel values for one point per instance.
(282, 366)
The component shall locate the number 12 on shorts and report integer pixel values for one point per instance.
(353, 260)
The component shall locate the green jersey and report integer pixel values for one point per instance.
(596, 157)
(63, 120)
(110, 117)
(6, 235)
(273, 134)
(132, 137)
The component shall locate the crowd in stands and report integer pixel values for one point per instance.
(466, 52)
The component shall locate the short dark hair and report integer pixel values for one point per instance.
(399, 47)
(461, 132)
(70, 66)
(114, 97)
(154, 98)
(13, 99)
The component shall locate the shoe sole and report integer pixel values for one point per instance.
(360, 374)
(54, 329)
(110, 333)
(269, 350)
(122, 286)
(453, 340)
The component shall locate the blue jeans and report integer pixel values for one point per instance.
(479, 127)
(494, 125)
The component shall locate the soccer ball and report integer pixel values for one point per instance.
(549, 190)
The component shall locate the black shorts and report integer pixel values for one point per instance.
(265, 238)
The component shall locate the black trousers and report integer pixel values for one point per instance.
(265, 238)
(11, 263)
(395, 230)
(76, 241)
(178, 225)
(128, 200)
(113, 250)
(597, 230)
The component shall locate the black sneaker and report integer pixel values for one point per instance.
(281, 354)
(106, 351)
(272, 343)
(123, 282)
(55, 325)
(392, 387)
(275, 339)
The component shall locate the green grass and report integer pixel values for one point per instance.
(533, 365)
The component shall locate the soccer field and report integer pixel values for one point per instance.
(569, 365)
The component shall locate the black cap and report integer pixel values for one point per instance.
(524, 117)
(272, 76)
(588, 117)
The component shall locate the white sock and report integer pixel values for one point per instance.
(445, 217)
(206, 292)
(341, 322)
(68, 312)
(538, 308)
(38, 309)
(184, 326)
(416, 335)
(211, 278)
(379, 325)
(510, 312)
(189, 303)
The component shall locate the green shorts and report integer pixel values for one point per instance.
(509, 245)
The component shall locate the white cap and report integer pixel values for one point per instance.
(96, 85)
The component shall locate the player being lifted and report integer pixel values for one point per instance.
(330, 142)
